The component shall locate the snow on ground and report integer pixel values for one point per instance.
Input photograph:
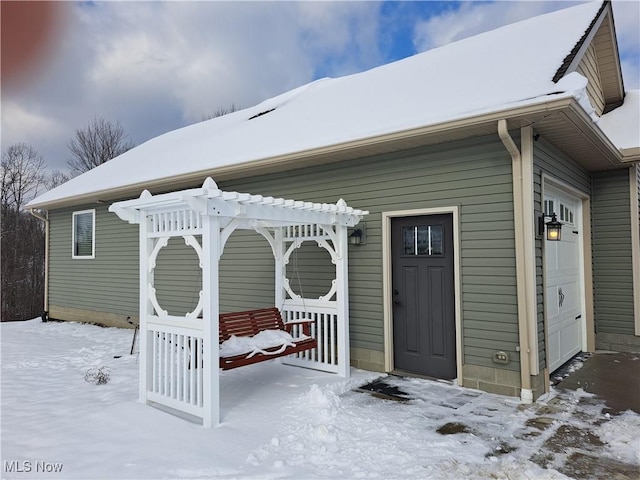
(278, 421)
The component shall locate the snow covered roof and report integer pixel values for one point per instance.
(622, 125)
(506, 68)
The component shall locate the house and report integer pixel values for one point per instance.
(461, 155)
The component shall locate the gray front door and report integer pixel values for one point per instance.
(423, 295)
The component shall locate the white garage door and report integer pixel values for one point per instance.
(563, 299)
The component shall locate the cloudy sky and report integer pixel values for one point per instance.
(157, 66)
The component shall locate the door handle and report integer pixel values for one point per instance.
(561, 294)
(396, 292)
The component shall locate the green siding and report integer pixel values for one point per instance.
(178, 278)
(246, 273)
(107, 283)
(612, 268)
(550, 161)
(474, 175)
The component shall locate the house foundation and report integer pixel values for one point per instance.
(105, 319)
(366, 359)
(617, 342)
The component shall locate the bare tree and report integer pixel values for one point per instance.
(96, 144)
(57, 178)
(21, 235)
(221, 112)
(22, 175)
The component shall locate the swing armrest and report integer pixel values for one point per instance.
(306, 326)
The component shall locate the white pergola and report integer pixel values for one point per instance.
(179, 355)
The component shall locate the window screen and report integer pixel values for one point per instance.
(83, 233)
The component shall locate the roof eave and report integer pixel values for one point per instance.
(612, 156)
(479, 124)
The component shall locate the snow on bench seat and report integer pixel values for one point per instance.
(254, 336)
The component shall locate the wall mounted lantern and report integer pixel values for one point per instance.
(359, 235)
(553, 227)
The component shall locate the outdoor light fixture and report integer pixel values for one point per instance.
(356, 237)
(359, 235)
(553, 227)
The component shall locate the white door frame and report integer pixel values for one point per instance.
(552, 185)
(387, 281)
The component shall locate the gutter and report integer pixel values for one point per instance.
(526, 392)
(630, 155)
(33, 212)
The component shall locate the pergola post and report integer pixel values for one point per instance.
(278, 253)
(146, 279)
(342, 298)
(210, 312)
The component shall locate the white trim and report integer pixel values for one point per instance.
(387, 282)
(93, 235)
(585, 44)
(635, 243)
(558, 187)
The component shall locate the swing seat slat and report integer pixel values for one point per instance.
(251, 322)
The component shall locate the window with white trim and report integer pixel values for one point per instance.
(83, 243)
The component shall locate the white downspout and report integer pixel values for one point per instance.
(526, 393)
(46, 257)
(529, 231)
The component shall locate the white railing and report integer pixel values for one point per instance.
(175, 222)
(175, 368)
(324, 330)
(311, 231)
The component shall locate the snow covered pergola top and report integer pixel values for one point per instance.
(179, 355)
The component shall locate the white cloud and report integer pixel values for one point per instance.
(32, 124)
(476, 17)
(631, 74)
(473, 17)
(627, 21)
(156, 66)
(208, 55)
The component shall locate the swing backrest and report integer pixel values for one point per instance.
(249, 322)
